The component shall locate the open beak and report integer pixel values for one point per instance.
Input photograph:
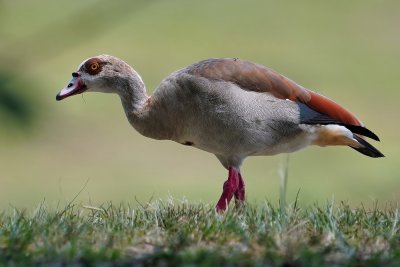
(74, 87)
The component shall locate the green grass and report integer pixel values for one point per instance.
(166, 233)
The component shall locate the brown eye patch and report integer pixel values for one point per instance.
(92, 66)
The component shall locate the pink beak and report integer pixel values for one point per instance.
(74, 87)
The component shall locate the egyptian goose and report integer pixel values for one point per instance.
(229, 107)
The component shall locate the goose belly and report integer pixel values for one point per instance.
(239, 122)
(231, 140)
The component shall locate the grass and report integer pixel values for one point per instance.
(163, 233)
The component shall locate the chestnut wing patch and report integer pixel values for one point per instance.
(251, 77)
(326, 106)
(257, 78)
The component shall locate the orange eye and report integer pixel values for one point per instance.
(94, 66)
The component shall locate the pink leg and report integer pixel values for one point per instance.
(234, 186)
(239, 194)
(230, 187)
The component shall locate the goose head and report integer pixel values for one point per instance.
(103, 73)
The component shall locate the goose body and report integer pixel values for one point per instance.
(222, 119)
(229, 107)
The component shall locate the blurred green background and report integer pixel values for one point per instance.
(347, 50)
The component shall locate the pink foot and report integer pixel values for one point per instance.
(234, 186)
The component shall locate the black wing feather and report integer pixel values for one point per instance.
(312, 117)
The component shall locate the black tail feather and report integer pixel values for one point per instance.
(367, 149)
(312, 117)
(362, 131)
